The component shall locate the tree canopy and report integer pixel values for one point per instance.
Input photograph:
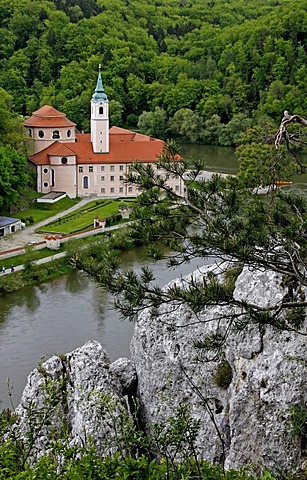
(13, 150)
(228, 59)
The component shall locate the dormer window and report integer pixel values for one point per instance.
(64, 160)
(56, 134)
(41, 134)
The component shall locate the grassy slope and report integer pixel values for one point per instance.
(83, 218)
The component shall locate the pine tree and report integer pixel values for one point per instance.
(222, 218)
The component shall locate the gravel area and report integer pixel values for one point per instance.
(27, 235)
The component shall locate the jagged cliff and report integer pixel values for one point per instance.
(242, 398)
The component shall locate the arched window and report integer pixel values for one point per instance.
(52, 178)
(100, 110)
(85, 182)
(30, 132)
(41, 134)
(56, 134)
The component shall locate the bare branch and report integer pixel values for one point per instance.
(287, 118)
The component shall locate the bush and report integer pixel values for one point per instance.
(223, 374)
(113, 219)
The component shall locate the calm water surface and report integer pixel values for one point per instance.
(217, 159)
(61, 315)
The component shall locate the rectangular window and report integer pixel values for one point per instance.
(102, 178)
(111, 168)
(91, 169)
(112, 178)
(177, 188)
(102, 168)
(121, 168)
(80, 169)
(121, 178)
(130, 189)
(112, 190)
(102, 190)
(121, 189)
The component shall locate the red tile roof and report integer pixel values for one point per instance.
(48, 116)
(125, 147)
(56, 148)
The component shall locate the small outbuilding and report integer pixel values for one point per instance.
(9, 225)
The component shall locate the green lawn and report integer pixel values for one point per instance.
(35, 255)
(83, 218)
(41, 211)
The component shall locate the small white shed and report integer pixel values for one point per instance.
(9, 225)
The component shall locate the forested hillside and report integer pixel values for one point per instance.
(194, 64)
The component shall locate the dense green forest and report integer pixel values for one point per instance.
(202, 70)
(194, 70)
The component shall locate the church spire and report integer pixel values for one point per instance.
(99, 94)
(100, 118)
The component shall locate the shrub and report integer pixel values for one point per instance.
(223, 374)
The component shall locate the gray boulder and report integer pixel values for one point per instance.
(245, 416)
(78, 399)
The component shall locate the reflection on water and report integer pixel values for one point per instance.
(217, 159)
(224, 160)
(61, 315)
(75, 283)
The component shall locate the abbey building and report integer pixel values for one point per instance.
(88, 164)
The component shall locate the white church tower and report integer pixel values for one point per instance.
(100, 119)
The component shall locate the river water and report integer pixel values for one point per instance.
(63, 314)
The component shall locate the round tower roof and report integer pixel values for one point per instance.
(48, 116)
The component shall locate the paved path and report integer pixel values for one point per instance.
(36, 262)
(27, 235)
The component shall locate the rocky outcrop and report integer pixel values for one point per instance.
(243, 417)
(241, 398)
(79, 398)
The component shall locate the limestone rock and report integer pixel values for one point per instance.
(124, 370)
(241, 398)
(251, 414)
(81, 398)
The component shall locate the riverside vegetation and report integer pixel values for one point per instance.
(77, 221)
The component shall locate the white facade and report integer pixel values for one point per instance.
(100, 119)
(45, 136)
